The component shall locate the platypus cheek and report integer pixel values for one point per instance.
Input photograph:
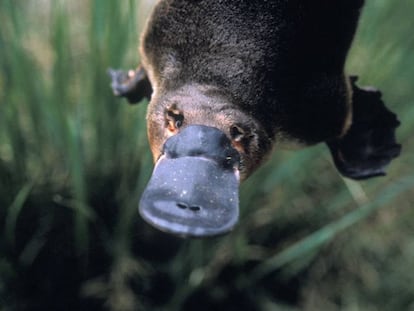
(194, 189)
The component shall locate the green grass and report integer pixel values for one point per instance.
(74, 161)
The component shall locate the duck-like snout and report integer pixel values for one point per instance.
(194, 188)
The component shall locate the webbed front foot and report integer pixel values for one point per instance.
(133, 84)
(369, 145)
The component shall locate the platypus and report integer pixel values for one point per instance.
(228, 81)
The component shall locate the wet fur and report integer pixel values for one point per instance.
(280, 60)
(273, 68)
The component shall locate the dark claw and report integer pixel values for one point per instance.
(369, 145)
(119, 79)
(134, 87)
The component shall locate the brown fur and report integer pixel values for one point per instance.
(210, 108)
(260, 71)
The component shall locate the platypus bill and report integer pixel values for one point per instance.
(226, 80)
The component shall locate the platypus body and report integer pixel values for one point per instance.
(228, 80)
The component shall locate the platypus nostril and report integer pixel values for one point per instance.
(195, 208)
(181, 205)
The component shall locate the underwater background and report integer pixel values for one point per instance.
(74, 161)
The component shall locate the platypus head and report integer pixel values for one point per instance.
(203, 146)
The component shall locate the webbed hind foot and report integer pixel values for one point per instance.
(133, 85)
(369, 145)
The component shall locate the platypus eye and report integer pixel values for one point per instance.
(241, 137)
(237, 133)
(178, 123)
(174, 118)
